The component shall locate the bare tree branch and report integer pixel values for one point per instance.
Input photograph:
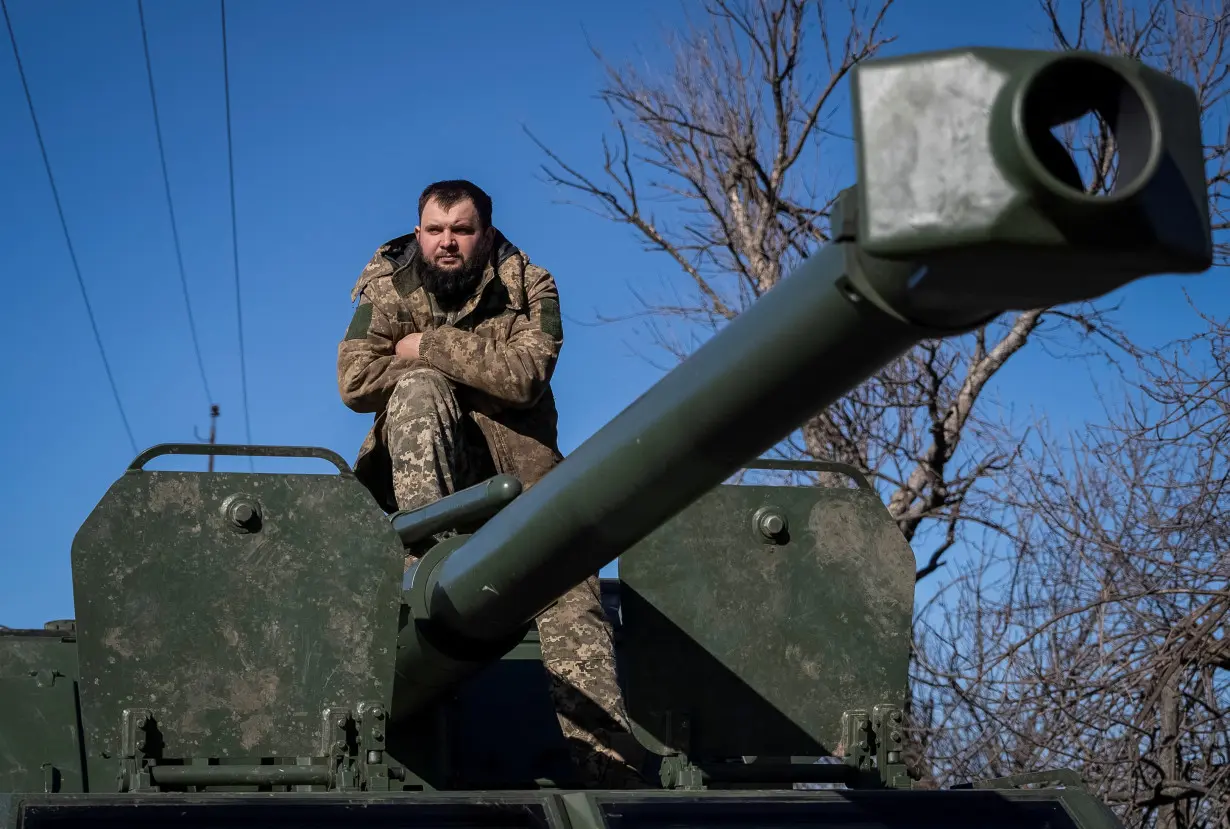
(1099, 640)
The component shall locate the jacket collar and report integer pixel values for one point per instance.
(400, 259)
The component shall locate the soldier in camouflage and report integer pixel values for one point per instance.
(452, 346)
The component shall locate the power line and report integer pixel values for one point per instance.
(72, 254)
(166, 180)
(230, 156)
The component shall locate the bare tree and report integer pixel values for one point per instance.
(731, 145)
(1099, 642)
(1096, 640)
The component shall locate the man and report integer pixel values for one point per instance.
(452, 345)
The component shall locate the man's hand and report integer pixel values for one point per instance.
(408, 346)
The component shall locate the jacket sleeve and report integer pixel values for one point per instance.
(367, 368)
(515, 372)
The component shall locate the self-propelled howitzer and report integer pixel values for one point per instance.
(241, 634)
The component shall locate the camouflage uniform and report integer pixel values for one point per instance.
(476, 402)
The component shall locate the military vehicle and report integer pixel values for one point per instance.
(247, 650)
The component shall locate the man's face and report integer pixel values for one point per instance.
(450, 239)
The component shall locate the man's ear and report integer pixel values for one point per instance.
(417, 231)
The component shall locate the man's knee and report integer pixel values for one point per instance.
(420, 391)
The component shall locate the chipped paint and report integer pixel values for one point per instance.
(175, 494)
(867, 550)
(114, 640)
(236, 641)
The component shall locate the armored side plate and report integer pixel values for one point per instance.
(233, 608)
(735, 644)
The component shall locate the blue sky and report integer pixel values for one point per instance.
(341, 113)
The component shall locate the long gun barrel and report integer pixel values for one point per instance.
(966, 207)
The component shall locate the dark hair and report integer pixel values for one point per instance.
(449, 193)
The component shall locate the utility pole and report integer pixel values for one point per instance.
(213, 432)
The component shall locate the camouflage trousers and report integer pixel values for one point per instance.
(434, 456)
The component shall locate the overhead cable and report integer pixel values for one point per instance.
(72, 254)
(230, 156)
(166, 180)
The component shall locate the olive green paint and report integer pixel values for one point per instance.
(235, 638)
(763, 645)
(958, 168)
(40, 740)
(23, 652)
(40, 735)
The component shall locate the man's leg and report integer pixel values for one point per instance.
(425, 436)
(423, 430)
(578, 651)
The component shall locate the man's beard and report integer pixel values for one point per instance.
(453, 286)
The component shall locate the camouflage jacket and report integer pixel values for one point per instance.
(500, 348)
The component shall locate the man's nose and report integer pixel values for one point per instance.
(448, 240)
